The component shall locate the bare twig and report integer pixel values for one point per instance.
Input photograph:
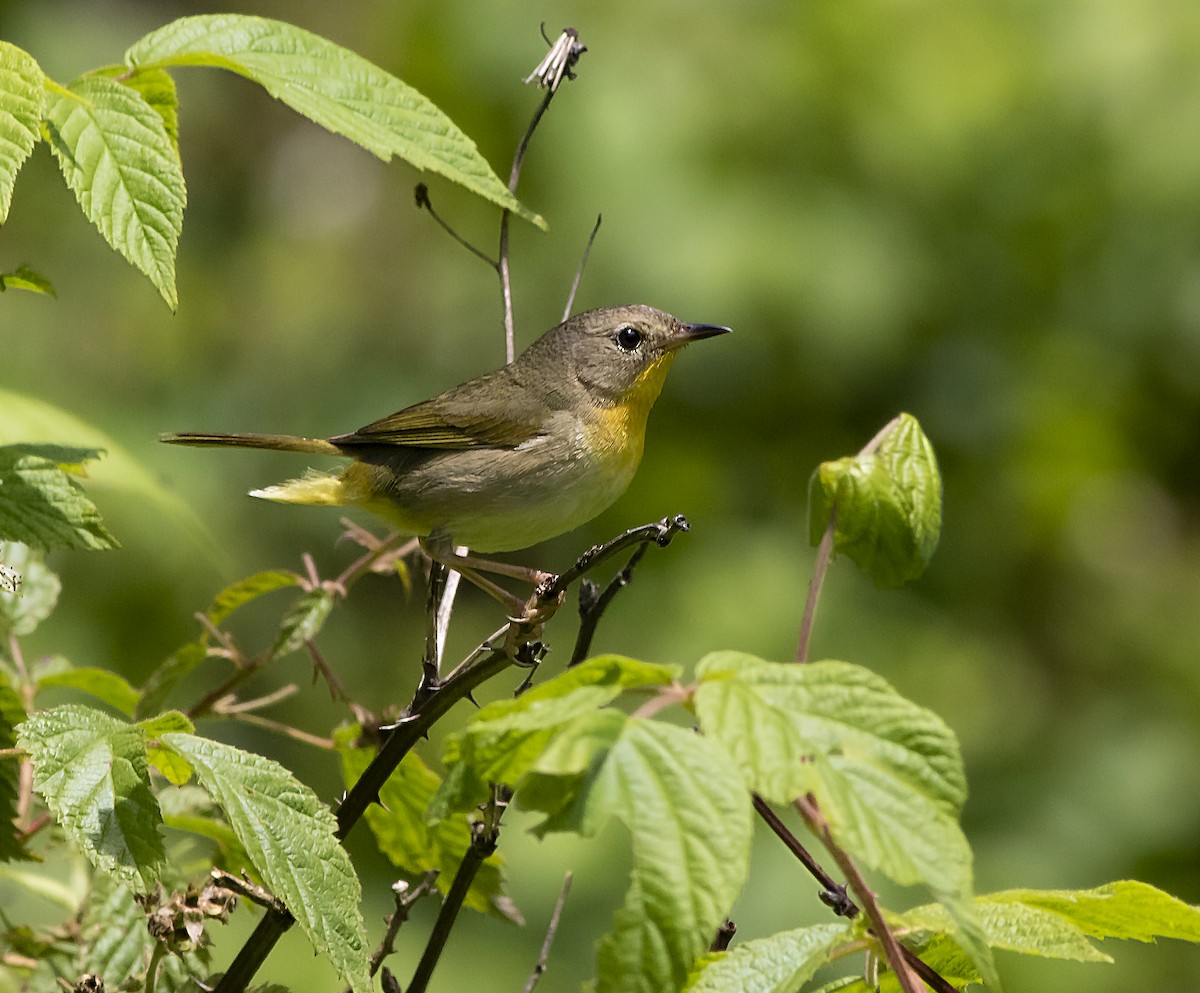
(820, 567)
(558, 63)
(551, 930)
(593, 604)
(295, 733)
(587, 250)
(421, 193)
(834, 893)
(484, 837)
(242, 886)
(892, 949)
(405, 897)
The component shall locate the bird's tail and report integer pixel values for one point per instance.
(275, 442)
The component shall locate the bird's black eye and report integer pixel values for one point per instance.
(628, 339)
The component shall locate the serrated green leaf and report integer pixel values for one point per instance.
(336, 88)
(157, 88)
(22, 102)
(114, 941)
(12, 713)
(24, 278)
(103, 684)
(290, 837)
(887, 773)
(415, 845)
(1058, 923)
(41, 505)
(91, 770)
(246, 590)
(778, 964)
(116, 155)
(36, 594)
(304, 619)
(173, 766)
(683, 801)
(888, 504)
(501, 742)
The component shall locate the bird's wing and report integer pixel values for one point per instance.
(467, 416)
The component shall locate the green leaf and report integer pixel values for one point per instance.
(157, 88)
(24, 278)
(173, 766)
(887, 773)
(500, 743)
(1058, 923)
(246, 590)
(22, 101)
(117, 156)
(685, 806)
(25, 417)
(91, 770)
(40, 505)
(304, 619)
(103, 684)
(778, 964)
(887, 501)
(414, 845)
(289, 836)
(114, 941)
(36, 589)
(336, 88)
(12, 712)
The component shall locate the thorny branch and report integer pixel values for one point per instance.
(513, 644)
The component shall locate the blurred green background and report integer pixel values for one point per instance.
(986, 215)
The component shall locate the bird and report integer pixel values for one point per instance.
(510, 458)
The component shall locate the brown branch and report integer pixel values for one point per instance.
(405, 897)
(551, 930)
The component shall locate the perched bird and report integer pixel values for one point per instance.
(512, 457)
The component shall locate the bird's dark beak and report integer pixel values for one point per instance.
(695, 332)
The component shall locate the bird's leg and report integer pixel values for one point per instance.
(470, 568)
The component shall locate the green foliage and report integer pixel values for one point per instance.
(781, 963)
(11, 714)
(886, 504)
(24, 278)
(33, 593)
(103, 684)
(91, 770)
(414, 844)
(289, 836)
(887, 773)
(116, 155)
(303, 620)
(332, 86)
(22, 99)
(41, 505)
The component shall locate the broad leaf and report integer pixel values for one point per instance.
(91, 770)
(12, 712)
(414, 845)
(157, 88)
(32, 593)
(778, 964)
(887, 773)
(303, 621)
(500, 743)
(1059, 923)
(22, 101)
(886, 504)
(247, 590)
(173, 766)
(332, 86)
(103, 684)
(117, 156)
(41, 505)
(162, 680)
(289, 835)
(685, 806)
